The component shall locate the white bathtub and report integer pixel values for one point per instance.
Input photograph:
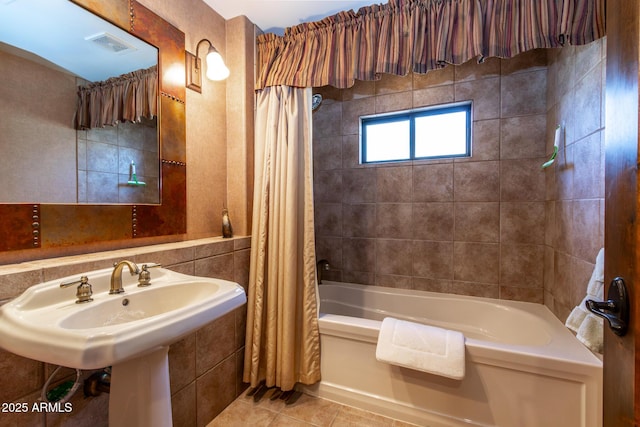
(523, 367)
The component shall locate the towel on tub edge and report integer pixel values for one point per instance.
(424, 348)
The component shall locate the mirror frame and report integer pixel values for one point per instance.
(32, 231)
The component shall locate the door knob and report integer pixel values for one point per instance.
(615, 309)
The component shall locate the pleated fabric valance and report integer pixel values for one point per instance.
(128, 97)
(405, 36)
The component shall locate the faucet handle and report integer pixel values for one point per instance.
(144, 278)
(84, 290)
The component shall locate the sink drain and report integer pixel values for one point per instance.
(125, 301)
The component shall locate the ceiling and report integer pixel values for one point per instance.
(272, 16)
(74, 39)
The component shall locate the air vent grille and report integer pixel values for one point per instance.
(110, 42)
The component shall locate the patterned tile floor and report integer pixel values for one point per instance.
(306, 411)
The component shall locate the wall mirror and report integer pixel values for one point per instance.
(49, 48)
(34, 229)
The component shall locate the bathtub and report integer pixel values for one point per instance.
(523, 367)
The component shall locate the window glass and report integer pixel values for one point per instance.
(388, 140)
(443, 131)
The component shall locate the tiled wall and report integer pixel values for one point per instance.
(104, 163)
(469, 226)
(575, 185)
(205, 367)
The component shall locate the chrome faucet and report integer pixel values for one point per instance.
(116, 276)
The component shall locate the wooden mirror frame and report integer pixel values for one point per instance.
(32, 231)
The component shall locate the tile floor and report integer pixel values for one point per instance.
(307, 411)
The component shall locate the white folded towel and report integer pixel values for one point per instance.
(588, 326)
(424, 348)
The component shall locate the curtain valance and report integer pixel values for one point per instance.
(128, 97)
(420, 35)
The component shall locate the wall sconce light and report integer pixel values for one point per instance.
(216, 70)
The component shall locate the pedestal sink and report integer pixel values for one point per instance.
(130, 331)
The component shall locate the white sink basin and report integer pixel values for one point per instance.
(46, 324)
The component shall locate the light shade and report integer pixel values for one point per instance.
(216, 69)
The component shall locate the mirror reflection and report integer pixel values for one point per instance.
(78, 108)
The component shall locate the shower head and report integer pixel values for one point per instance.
(316, 100)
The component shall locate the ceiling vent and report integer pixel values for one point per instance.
(110, 42)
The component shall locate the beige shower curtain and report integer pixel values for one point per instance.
(282, 341)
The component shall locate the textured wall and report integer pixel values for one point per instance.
(575, 185)
(471, 226)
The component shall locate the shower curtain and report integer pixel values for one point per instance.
(282, 341)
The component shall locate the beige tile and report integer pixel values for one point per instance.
(442, 76)
(362, 277)
(531, 60)
(182, 362)
(523, 137)
(486, 141)
(394, 220)
(359, 220)
(433, 96)
(476, 262)
(564, 227)
(327, 186)
(522, 180)
(351, 112)
(475, 289)
(394, 281)
(359, 255)
(522, 222)
(588, 170)
(354, 417)
(522, 266)
(485, 95)
(549, 268)
(433, 221)
(472, 70)
(523, 93)
(329, 248)
(220, 266)
(588, 229)
(215, 248)
(394, 102)
(241, 261)
(285, 421)
(316, 411)
(393, 257)
(433, 260)
(241, 414)
(588, 56)
(214, 342)
(433, 183)
(327, 153)
(215, 390)
(394, 184)
(351, 152)
(431, 285)
(359, 186)
(589, 103)
(477, 181)
(562, 279)
(360, 89)
(477, 222)
(20, 376)
(328, 218)
(534, 295)
(327, 122)
(391, 83)
(183, 406)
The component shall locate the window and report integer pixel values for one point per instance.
(428, 133)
